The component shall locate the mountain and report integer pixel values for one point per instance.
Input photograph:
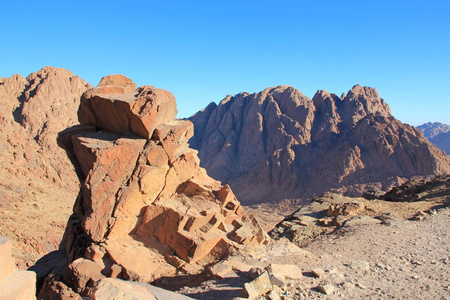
(438, 134)
(279, 144)
(431, 130)
(37, 182)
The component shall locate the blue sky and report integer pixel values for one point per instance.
(203, 50)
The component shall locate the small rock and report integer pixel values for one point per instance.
(326, 289)
(348, 286)
(287, 271)
(360, 265)
(318, 272)
(260, 285)
(255, 272)
(361, 286)
(249, 291)
(277, 280)
(274, 295)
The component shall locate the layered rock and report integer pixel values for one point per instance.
(278, 144)
(145, 209)
(37, 180)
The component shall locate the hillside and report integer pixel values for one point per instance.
(278, 144)
(38, 183)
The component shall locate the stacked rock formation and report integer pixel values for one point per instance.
(279, 144)
(145, 209)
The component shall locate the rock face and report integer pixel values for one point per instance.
(36, 173)
(438, 134)
(278, 144)
(145, 209)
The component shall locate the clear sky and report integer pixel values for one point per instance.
(203, 50)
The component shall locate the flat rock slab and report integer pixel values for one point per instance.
(111, 288)
(18, 285)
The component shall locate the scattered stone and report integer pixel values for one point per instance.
(110, 288)
(274, 295)
(262, 284)
(348, 286)
(318, 272)
(420, 216)
(326, 289)
(349, 208)
(255, 272)
(287, 271)
(360, 265)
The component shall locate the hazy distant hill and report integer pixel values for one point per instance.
(438, 134)
(279, 144)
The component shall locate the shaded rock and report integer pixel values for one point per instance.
(82, 273)
(57, 290)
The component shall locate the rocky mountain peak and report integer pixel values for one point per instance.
(362, 101)
(279, 144)
(438, 134)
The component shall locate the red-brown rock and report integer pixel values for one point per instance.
(116, 106)
(148, 198)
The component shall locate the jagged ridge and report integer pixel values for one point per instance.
(279, 144)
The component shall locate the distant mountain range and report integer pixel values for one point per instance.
(280, 144)
(438, 134)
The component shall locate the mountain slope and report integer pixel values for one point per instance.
(279, 144)
(38, 182)
(438, 134)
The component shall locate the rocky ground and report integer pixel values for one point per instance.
(386, 250)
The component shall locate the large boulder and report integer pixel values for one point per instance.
(115, 105)
(145, 195)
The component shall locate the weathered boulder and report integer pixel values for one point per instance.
(145, 195)
(115, 105)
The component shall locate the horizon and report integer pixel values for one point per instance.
(202, 52)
